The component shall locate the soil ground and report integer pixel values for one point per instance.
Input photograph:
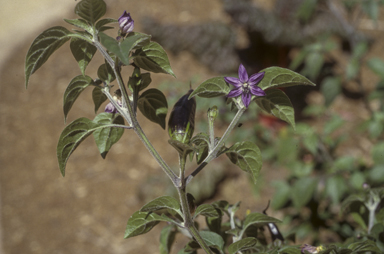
(87, 210)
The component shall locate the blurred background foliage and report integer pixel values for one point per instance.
(336, 153)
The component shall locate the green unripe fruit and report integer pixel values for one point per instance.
(181, 123)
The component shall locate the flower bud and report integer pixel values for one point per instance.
(125, 23)
(181, 123)
(109, 108)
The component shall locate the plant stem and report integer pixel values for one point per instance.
(213, 154)
(188, 221)
(130, 116)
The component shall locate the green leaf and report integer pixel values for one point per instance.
(330, 88)
(142, 222)
(91, 10)
(152, 57)
(181, 148)
(207, 210)
(80, 23)
(333, 124)
(371, 8)
(98, 97)
(105, 73)
(164, 202)
(353, 67)
(212, 239)
(101, 23)
(43, 47)
(201, 142)
(74, 89)
(247, 156)
(257, 218)
(153, 105)
(122, 49)
(107, 137)
(282, 194)
(83, 52)
(335, 188)
(364, 246)
(71, 137)
(290, 250)
(275, 77)
(377, 66)
(351, 199)
(242, 245)
(212, 87)
(313, 64)
(277, 103)
(377, 153)
(167, 237)
(302, 191)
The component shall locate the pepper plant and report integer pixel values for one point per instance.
(134, 52)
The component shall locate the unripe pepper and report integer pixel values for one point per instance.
(181, 123)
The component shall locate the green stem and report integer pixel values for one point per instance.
(213, 154)
(130, 116)
(188, 221)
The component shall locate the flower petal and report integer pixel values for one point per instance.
(110, 108)
(257, 91)
(235, 92)
(246, 98)
(256, 78)
(243, 75)
(233, 81)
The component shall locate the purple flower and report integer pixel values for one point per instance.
(311, 249)
(126, 23)
(244, 86)
(109, 108)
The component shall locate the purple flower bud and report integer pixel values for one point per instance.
(126, 23)
(110, 108)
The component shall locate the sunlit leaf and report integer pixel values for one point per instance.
(257, 218)
(71, 137)
(242, 245)
(91, 10)
(101, 23)
(247, 156)
(43, 47)
(207, 210)
(80, 23)
(212, 87)
(275, 77)
(142, 222)
(106, 137)
(122, 49)
(164, 202)
(277, 103)
(212, 239)
(152, 57)
(74, 89)
(83, 52)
